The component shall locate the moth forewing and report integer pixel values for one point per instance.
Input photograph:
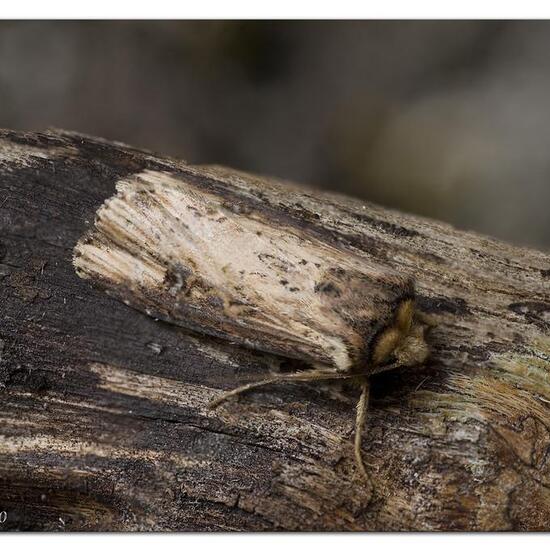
(195, 258)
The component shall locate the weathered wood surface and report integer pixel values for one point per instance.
(103, 417)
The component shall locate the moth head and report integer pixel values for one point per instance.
(401, 343)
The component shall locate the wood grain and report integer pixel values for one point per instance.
(103, 418)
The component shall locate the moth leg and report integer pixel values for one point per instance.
(292, 377)
(362, 408)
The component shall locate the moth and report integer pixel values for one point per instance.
(206, 256)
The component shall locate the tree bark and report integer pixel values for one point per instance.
(104, 423)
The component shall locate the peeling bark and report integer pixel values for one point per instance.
(103, 418)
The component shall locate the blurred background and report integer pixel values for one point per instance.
(445, 119)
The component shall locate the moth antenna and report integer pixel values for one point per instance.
(362, 408)
(292, 377)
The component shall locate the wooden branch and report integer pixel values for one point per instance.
(103, 418)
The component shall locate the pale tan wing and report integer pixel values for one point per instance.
(195, 258)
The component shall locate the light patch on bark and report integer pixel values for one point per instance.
(13, 154)
(156, 388)
(80, 448)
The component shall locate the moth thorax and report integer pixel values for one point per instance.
(393, 335)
